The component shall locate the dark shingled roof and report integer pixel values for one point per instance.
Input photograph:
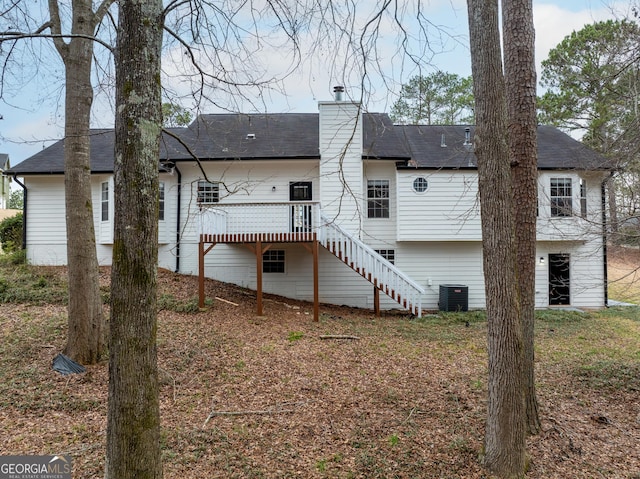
(556, 150)
(296, 136)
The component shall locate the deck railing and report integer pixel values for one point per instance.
(364, 260)
(258, 218)
(299, 221)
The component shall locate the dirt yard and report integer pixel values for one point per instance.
(244, 396)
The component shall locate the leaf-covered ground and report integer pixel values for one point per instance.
(267, 397)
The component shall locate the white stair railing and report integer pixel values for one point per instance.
(370, 265)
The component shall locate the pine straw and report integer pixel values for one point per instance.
(407, 399)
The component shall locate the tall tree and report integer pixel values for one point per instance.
(175, 115)
(437, 99)
(86, 331)
(520, 81)
(133, 423)
(593, 81)
(505, 426)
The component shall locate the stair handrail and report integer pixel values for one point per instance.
(368, 259)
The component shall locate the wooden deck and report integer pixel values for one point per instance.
(255, 237)
(259, 226)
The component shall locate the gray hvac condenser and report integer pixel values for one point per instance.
(454, 297)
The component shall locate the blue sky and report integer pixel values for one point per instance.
(31, 122)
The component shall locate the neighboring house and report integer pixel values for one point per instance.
(5, 182)
(367, 201)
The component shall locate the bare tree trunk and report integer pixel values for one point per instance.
(133, 424)
(86, 330)
(520, 79)
(505, 427)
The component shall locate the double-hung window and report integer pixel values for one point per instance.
(583, 198)
(161, 201)
(561, 197)
(104, 201)
(208, 192)
(378, 198)
(273, 261)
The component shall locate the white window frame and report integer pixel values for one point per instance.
(276, 258)
(583, 198)
(388, 254)
(161, 201)
(561, 197)
(378, 199)
(104, 201)
(208, 193)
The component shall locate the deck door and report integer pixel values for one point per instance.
(559, 279)
(300, 213)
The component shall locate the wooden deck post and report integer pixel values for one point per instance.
(259, 277)
(316, 296)
(201, 254)
(201, 274)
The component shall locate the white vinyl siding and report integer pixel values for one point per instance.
(166, 211)
(380, 232)
(435, 234)
(244, 182)
(448, 210)
(341, 164)
(575, 227)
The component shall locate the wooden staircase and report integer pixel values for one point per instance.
(361, 258)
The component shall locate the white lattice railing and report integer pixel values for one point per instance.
(306, 217)
(370, 265)
(251, 218)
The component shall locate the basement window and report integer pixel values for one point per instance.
(273, 261)
(388, 254)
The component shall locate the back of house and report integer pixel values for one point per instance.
(394, 209)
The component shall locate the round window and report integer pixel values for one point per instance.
(420, 184)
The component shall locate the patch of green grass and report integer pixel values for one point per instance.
(629, 312)
(609, 374)
(169, 302)
(295, 336)
(13, 258)
(32, 284)
(561, 315)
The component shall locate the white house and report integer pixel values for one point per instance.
(5, 182)
(328, 204)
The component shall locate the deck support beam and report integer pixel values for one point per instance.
(316, 295)
(201, 254)
(258, 252)
(313, 248)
